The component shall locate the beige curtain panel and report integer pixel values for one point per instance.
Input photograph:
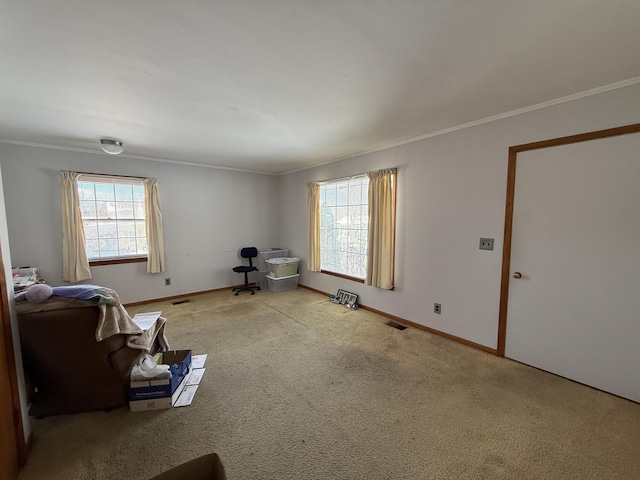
(313, 252)
(155, 238)
(75, 264)
(382, 218)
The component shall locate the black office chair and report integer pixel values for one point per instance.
(250, 253)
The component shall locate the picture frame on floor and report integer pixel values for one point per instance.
(338, 296)
(343, 297)
(351, 300)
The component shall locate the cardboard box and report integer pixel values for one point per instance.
(159, 403)
(157, 389)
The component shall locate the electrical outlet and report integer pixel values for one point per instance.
(167, 281)
(437, 308)
(486, 244)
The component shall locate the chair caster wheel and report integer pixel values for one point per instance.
(236, 294)
(252, 292)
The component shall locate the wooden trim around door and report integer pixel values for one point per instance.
(508, 219)
(11, 398)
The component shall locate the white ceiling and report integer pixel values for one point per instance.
(279, 85)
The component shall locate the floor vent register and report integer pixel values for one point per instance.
(396, 325)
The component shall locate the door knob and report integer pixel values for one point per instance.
(517, 275)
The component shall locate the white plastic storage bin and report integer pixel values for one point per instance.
(269, 252)
(282, 267)
(283, 284)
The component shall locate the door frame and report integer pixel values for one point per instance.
(11, 400)
(508, 217)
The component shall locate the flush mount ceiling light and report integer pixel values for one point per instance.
(112, 147)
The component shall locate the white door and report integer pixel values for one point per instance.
(575, 310)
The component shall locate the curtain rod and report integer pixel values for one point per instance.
(393, 170)
(108, 175)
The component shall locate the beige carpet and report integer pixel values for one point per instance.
(299, 388)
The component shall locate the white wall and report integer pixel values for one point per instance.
(208, 215)
(451, 192)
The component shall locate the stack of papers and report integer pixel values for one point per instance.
(146, 320)
(24, 276)
(192, 381)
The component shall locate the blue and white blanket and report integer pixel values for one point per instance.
(90, 294)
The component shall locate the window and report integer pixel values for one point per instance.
(350, 237)
(344, 221)
(113, 216)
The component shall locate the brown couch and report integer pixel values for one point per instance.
(66, 369)
(207, 467)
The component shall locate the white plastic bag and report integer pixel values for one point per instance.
(147, 368)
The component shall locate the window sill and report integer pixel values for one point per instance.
(116, 261)
(341, 275)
